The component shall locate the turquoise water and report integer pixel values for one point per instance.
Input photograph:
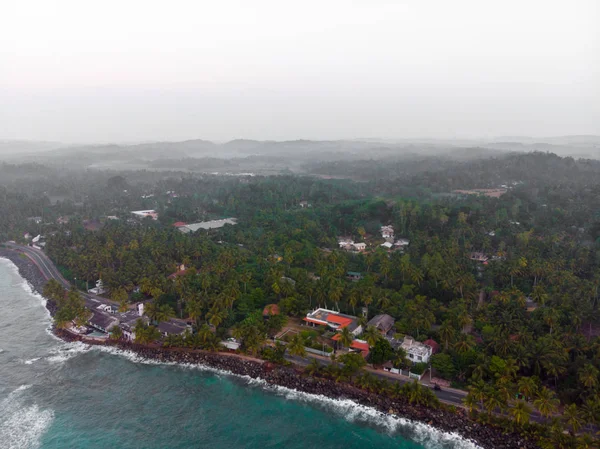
(55, 395)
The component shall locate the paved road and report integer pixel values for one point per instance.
(49, 271)
(449, 396)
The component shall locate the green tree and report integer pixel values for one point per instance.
(296, 346)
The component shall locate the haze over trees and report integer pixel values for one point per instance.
(524, 322)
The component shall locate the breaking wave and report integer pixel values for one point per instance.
(422, 433)
(22, 425)
(31, 361)
(67, 351)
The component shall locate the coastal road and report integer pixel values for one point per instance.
(49, 271)
(449, 395)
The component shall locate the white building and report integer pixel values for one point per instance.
(206, 225)
(401, 242)
(387, 245)
(145, 213)
(387, 232)
(416, 351)
(360, 246)
(99, 289)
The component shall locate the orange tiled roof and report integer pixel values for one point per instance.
(342, 321)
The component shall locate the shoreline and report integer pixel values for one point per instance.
(458, 423)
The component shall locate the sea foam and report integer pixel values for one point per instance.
(67, 351)
(22, 425)
(422, 433)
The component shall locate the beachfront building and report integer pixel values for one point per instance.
(173, 327)
(102, 322)
(416, 351)
(333, 320)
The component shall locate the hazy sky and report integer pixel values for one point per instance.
(130, 70)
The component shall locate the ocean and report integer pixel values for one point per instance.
(57, 395)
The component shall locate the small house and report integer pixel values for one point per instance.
(383, 323)
(102, 322)
(416, 351)
(353, 276)
(172, 327)
(270, 310)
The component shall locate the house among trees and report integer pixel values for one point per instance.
(180, 272)
(270, 310)
(402, 242)
(206, 225)
(435, 347)
(145, 213)
(98, 289)
(416, 351)
(333, 320)
(478, 257)
(383, 323)
(353, 276)
(387, 232)
(173, 327)
(356, 345)
(304, 204)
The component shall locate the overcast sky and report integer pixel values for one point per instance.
(125, 70)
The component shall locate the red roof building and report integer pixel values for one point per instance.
(270, 310)
(179, 224)
(182, 270)
(435, 347)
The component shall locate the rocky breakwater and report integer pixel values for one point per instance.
(458, 422)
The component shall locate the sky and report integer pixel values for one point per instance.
(130, 71)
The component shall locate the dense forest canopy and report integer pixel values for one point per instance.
(527, 309)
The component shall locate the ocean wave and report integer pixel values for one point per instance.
(67, 352)
(22, 426)
(31, 361)
(422, 433)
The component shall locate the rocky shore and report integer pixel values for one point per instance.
(458, 422)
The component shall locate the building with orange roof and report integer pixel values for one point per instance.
(332, 320)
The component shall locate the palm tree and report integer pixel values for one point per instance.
(493, 401)
(194, 309)
(478, 391)
(215, 316)
(296, 346)
(588, 376)
(520, 413)
(527, 387)
(470, 402)
(446, 333)
(464, 345)
(586, 441)
(313, 367)
(163, 313)
(371, 335)
(546, 402)
(346, 337)
(116, 333)
(573, 418)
